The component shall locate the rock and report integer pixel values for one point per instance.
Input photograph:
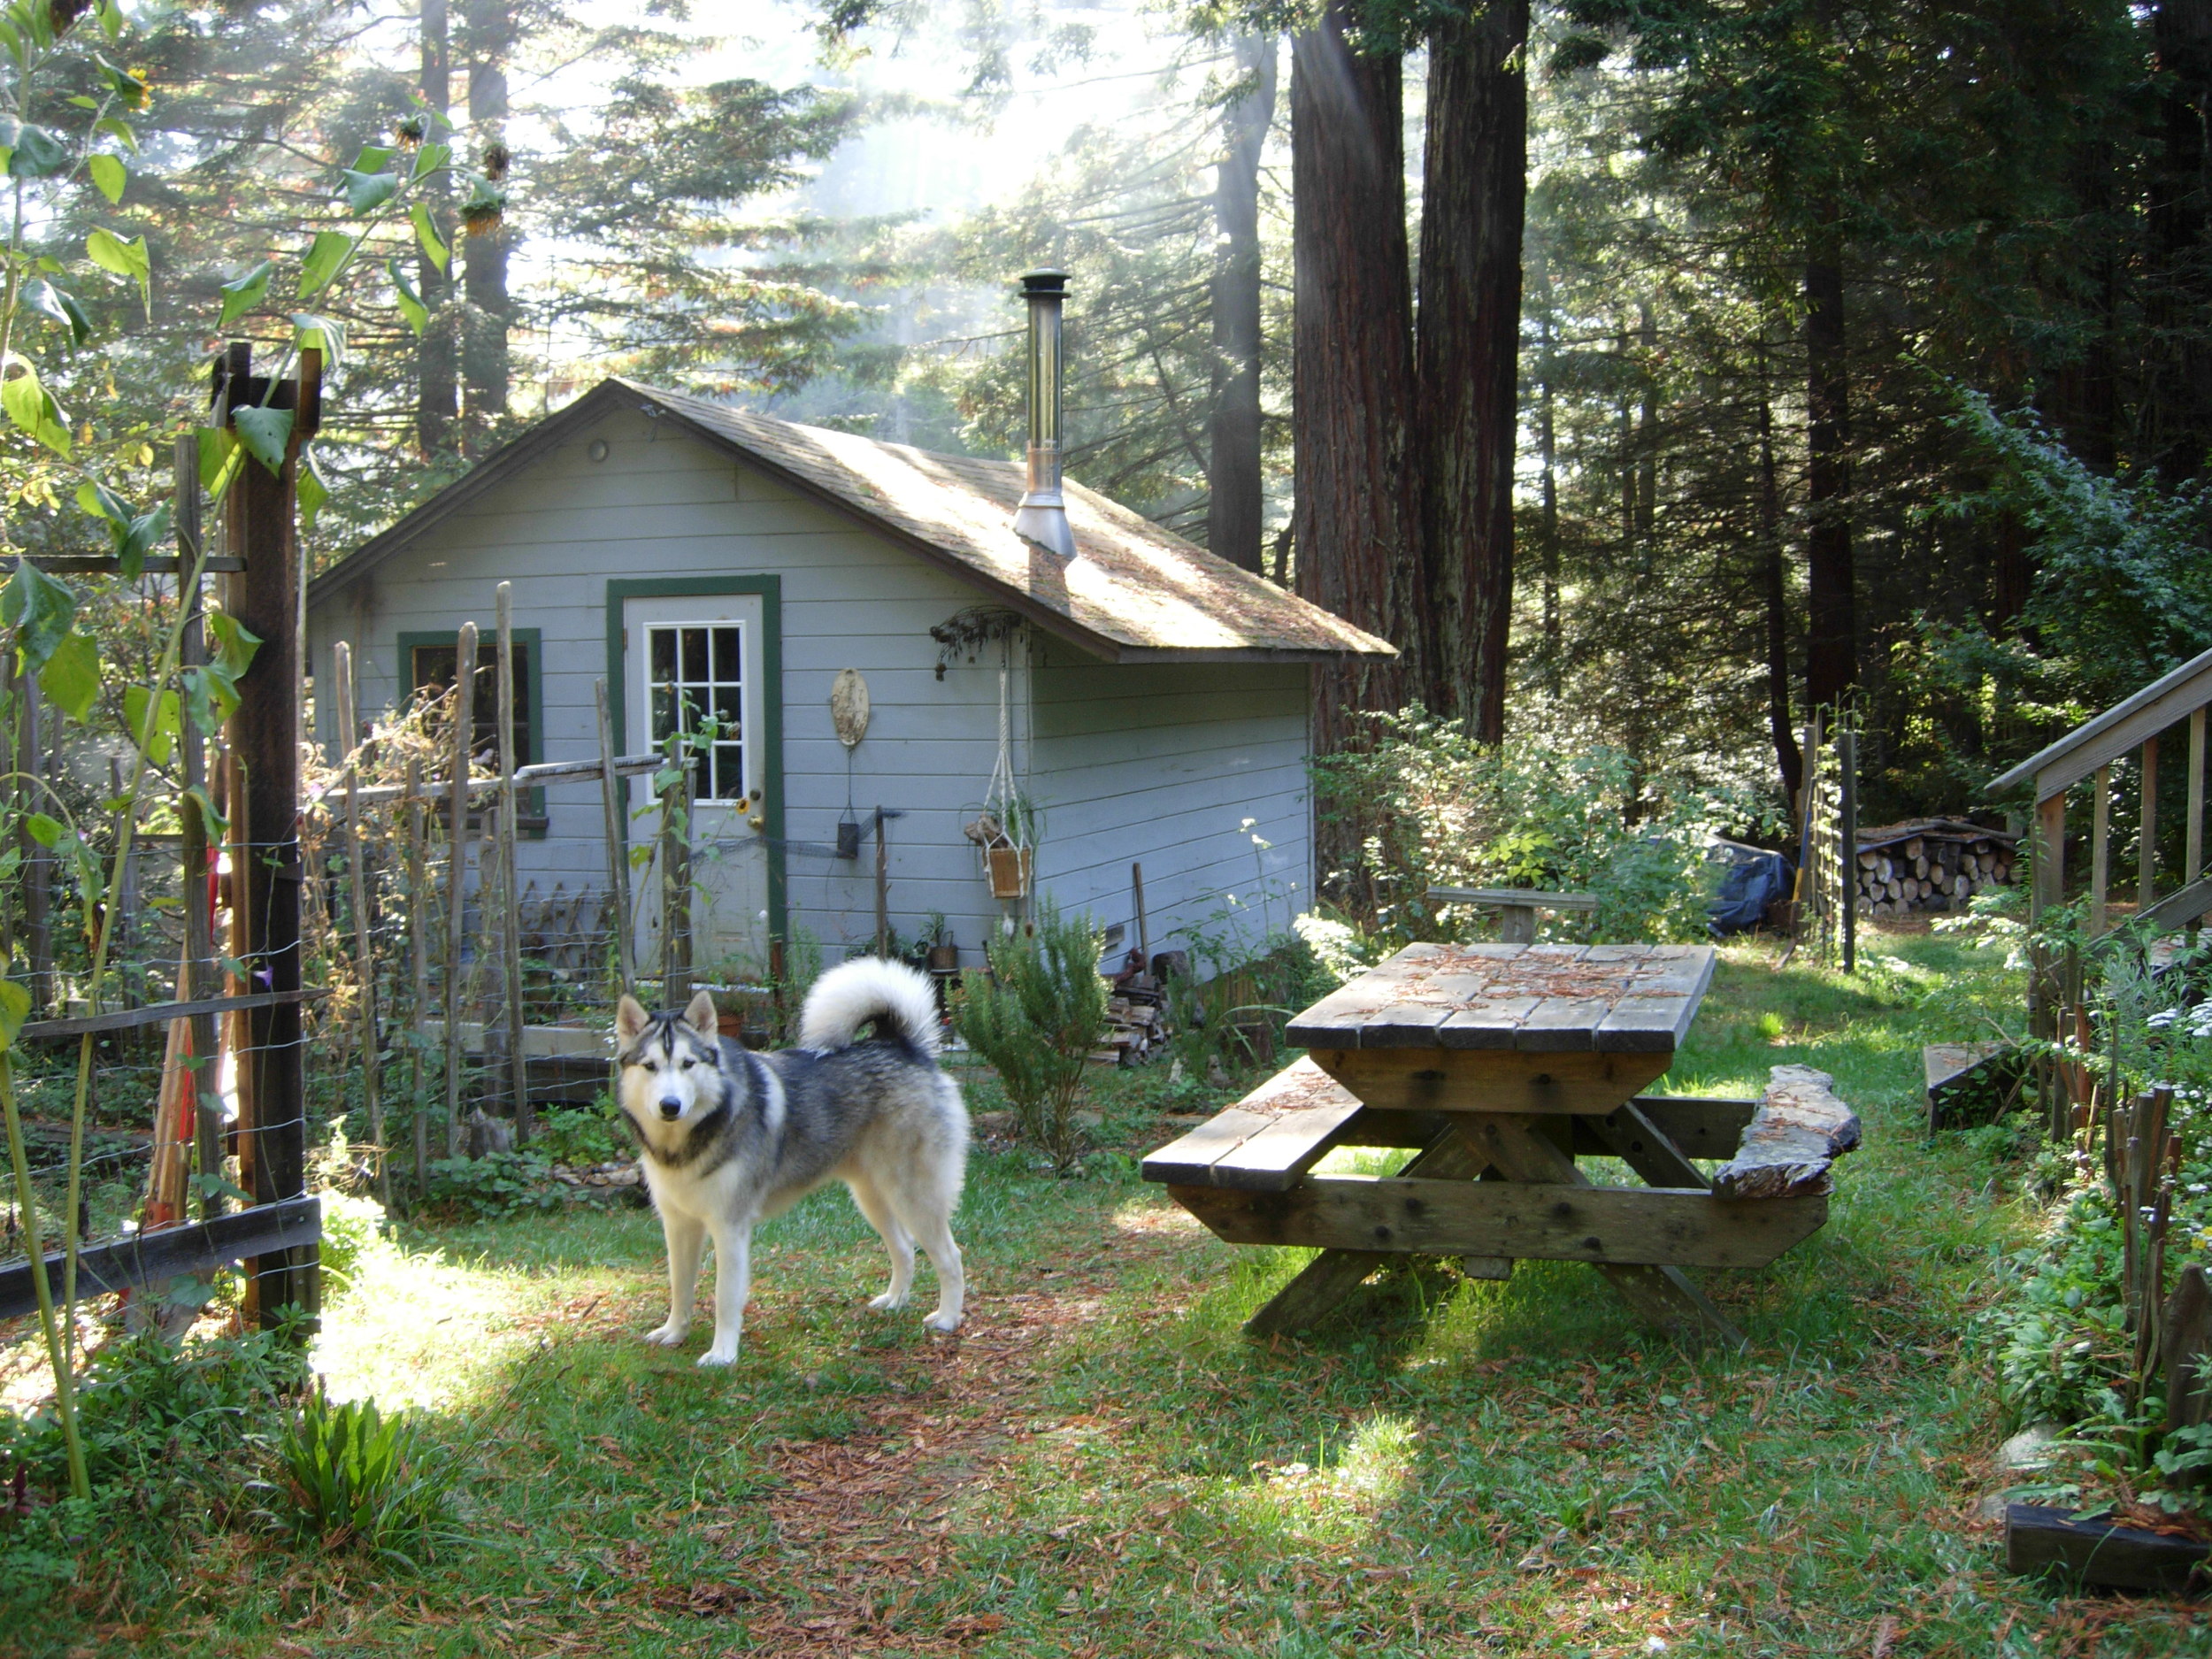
(2031, 1447)
(1090, 1120)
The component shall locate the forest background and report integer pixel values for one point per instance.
(1657, 370)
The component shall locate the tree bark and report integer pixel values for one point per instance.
(1235, 505)
(1789, 760)
(1474, 196)
(1548, 449)
(485, 368)
(2177, 414)
(1358, 522)
(437, 358)
(1831, 650)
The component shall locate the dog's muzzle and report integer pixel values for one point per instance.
(671, 1110)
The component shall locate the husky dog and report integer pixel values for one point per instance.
(731, 1137)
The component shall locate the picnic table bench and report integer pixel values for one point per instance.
(1500, 1065)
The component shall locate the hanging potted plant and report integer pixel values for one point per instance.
(1005, 831)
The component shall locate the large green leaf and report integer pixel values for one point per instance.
(325, 255)
(136, 537)
(15, 1007)
(39, 610)
(159, 739)
(234, 642)
(365, 192)
(265, 432)
(427, 239)
(431, 157)
(33, 151)
(110, 174)
(220, 457)
(408, 299)
(325, 334)
(71, 678)
(33, 410)
(311, 490)
(243, 295)
(126, 257)
(61, 305)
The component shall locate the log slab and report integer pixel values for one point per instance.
(1799, 1131)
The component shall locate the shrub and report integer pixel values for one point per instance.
(1427, 805)
(354, 1476)
(351, 1227)
(495, 1185)
(1036, 1018)
(581, 1135)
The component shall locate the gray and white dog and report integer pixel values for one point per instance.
(731, 1137)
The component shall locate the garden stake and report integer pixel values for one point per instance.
(457, 873)
(511, 930)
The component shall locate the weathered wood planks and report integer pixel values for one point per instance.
(1555, 1222)
(1264, 1143)
(1530, 998)
(1800, 1129)
(1493, 1080)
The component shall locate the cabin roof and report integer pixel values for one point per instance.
(1133, 593)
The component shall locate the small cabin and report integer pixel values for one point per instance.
(1144, 702)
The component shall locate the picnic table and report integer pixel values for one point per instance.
(1502, 1064)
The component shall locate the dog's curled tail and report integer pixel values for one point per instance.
(869, 988)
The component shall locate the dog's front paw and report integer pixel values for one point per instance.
(946, 1322)
(666, 1335)
(719, 1356)
(886, 1303)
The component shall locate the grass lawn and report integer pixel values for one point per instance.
(1101, 1464)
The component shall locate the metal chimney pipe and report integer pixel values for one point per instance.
(1042, 516)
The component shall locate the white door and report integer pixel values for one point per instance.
(691, 662)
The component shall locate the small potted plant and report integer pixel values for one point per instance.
(944, 955)
(1006, 834)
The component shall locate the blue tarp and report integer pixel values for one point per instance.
(1751, 879)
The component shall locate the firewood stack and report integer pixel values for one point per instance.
(1136, 1019)
(1930, 865)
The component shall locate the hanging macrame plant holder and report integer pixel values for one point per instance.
(1004, 830)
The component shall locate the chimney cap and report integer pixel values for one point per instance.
(1045, 280)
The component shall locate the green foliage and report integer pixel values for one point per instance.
(1428, 806)
(354, 1476)
(1036, 1017)
(351, 1226)
(497, 1183)
(155, 1418)
(588, 1134)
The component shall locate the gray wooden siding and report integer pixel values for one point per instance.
(1161, 765)
(1152, 764)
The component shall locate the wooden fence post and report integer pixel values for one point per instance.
(676, 889)
(1848, 863)
(2147, 836)
(510, 928)
(197, 978)
(265, 873)
(419, 952)
(363, 941)
(618, 854)
(457, 874)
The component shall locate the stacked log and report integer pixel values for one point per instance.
(1937, 866)
(1135, 1025)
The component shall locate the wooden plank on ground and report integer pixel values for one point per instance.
(155, 1258)
(2041, 1541)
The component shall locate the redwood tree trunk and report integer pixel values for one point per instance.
(1831, 649)
(485, 368)
(437, 357)
(2177, 412)
(1788, 760)
(1357, 518)
(1234, 510)
(1474, 193)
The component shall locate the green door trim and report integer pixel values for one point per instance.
(770, 590)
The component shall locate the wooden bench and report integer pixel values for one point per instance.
(1517, 907)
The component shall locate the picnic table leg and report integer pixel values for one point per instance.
(1636, 1142)
(1324, 1283)
(1517, 1144)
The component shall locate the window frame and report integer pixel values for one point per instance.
(531, 822)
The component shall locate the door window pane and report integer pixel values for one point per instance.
(697, 674)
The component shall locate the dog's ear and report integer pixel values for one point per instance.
(629, 1021)
(700, 1016)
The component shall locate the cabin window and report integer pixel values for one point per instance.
(697, 674)
(430, 665)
